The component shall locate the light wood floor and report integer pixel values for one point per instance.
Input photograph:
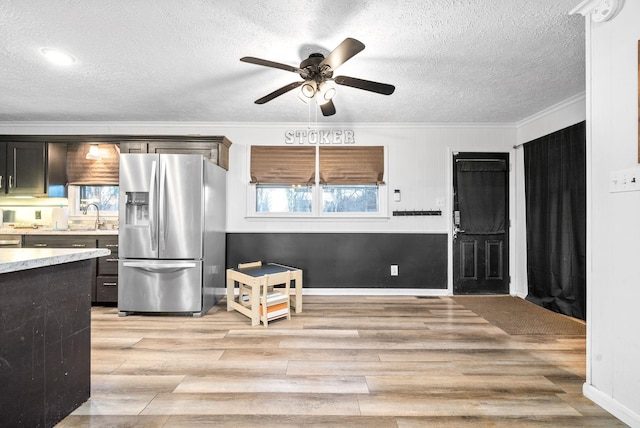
(345, 361)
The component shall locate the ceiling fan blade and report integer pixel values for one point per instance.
(367, 85)
(345, 50)
(328, 109)
(278, 92)
(272, 64)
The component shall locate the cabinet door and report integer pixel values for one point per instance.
(3, 168)
(133, 147)
(206, 149)
(26, 163)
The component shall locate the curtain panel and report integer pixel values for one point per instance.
(85, 172)
(283, 165)
(352, 165)
(555, 187)
(490, 207)
(297, 165)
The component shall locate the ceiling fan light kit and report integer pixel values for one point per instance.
(327, 91)
(317, 73)
(308, 89)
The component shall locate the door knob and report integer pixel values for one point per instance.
(456, 230)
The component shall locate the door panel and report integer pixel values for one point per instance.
(181, 207)
(480, 239)
(138, 194)
(159, 286)
(469, 255)
(494, 265)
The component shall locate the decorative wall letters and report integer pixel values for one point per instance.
(320, 137)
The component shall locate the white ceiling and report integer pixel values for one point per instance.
(452, 61)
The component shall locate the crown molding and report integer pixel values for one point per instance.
(600, 10)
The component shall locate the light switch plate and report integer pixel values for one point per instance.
(624, 180)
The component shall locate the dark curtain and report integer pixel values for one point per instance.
(481, 195)
(555, 187)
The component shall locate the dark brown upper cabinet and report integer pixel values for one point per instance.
(32, 168)
(22, 168)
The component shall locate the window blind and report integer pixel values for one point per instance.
(352, 165)
(83, 171)
(283, 165)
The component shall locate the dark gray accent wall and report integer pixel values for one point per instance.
(349, 260)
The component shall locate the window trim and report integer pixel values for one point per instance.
(73, 197)
(316, 200)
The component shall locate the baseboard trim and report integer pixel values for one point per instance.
(374, 292)
(612, 406)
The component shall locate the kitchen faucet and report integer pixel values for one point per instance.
(98, 223)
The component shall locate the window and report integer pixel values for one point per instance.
(93, 181)
(106, 197)
(350, 199)
(283, 199)
(348, 181)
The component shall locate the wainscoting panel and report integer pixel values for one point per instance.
(349, 260)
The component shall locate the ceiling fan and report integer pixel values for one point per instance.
(317, 74)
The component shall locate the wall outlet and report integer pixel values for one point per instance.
(394, 270)
(38, 215)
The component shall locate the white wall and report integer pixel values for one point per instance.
(613, 220)
(419, 164)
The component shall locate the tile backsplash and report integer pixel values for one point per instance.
(39, 212)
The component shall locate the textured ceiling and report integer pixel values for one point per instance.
(452, 61)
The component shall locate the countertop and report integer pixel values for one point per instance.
(18, 259)
(45, 231)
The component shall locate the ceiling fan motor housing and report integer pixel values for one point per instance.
(313, 72)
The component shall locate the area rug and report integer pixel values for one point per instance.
(520, 317)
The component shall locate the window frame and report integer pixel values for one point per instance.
(73, 197)
(317, 212)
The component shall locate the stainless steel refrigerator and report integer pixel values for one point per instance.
(172, 234)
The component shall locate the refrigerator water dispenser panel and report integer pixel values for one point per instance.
(137, 209)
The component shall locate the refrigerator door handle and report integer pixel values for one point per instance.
(152, 207)
(164, 267)
(162, 207)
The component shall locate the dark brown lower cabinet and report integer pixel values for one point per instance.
(104, 278)
(107, 279)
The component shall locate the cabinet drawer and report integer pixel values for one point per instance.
(107, 289)
(59, 241)
(108, 265)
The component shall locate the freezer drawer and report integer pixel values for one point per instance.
(159, 286)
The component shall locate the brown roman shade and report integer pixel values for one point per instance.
(83, 171)
(283, 165)
(352, 165)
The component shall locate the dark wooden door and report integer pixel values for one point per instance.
(481, 223)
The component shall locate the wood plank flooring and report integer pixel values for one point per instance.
(344, 361)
